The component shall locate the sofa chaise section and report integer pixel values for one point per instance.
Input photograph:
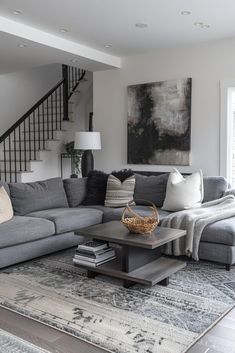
(218, 242)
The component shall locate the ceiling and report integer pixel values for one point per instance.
(96, 23)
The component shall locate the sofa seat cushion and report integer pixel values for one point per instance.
(115, 214)
(70, 219)
(221, 232)
(22, 229)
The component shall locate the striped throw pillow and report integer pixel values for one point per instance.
(118, 193)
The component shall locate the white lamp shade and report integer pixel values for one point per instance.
(87, 140)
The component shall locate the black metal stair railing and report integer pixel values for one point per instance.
(21, 142)
(72, 77)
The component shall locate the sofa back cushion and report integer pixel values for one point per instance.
(153, 188)
(37, 196)
(150, 188)
(214, 187)
(75, 189)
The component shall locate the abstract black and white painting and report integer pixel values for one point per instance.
(159, 122)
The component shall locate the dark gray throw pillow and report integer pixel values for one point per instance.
(37, 196)
(75, 189)
(150, 188)
(96, 188)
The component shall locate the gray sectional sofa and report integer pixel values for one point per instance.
(48, 215)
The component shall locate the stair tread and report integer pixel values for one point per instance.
(41, 131)
(22, 160)
(37, 150)
(32, 140)
(16, 171)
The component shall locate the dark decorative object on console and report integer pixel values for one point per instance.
(75, 156)
(159, 122)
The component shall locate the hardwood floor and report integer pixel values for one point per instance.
(223, 334)
(43, 336)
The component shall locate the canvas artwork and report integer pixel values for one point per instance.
(159, 122)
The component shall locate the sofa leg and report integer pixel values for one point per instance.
(228, 267)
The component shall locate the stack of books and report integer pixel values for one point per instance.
(93, 253)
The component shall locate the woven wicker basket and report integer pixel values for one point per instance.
(139, 224)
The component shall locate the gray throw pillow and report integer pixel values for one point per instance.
(214, 187)
(75, 189)
(150, 188)
(37, 196)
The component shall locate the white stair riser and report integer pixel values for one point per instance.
(14, 178)
(40, 135)
(47, 120)
(38, 145)
(16, 167)
(54, 104)
(23, 155)
(46, 123)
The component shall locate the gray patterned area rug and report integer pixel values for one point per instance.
(12, 344)
(139, 319)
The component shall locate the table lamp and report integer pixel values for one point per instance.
(87, 141)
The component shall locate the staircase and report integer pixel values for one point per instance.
(23, 145)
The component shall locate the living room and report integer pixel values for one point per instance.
(117, 199)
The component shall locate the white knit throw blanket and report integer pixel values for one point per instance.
(194, 221)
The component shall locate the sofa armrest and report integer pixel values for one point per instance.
(230, 192)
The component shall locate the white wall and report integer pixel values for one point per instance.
(20, 90)
(207, 64)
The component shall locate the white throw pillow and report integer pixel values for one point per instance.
(118, 193)
(183, 193)
(6, 211)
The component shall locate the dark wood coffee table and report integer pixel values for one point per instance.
(139, 258)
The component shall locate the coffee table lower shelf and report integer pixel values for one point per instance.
(157, 271)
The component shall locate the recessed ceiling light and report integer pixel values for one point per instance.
(186, 13)
(108, 45)
(22, 45)
(74, 60)
(198, 24)
(205, 25)
(17, 12)
(64, 30)
(141, 25)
